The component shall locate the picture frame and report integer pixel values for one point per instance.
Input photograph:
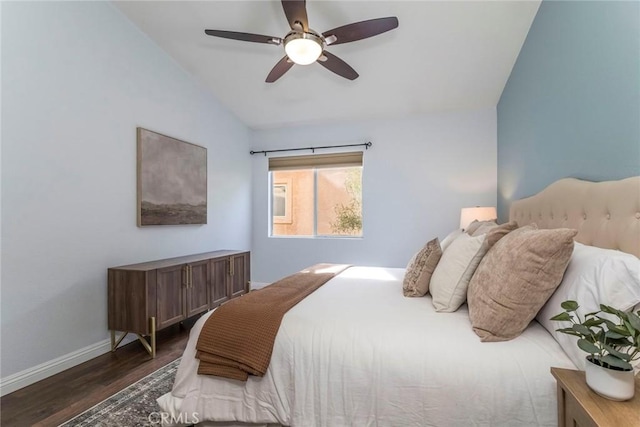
(171, 180)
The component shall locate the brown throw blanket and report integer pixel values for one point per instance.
(237, 339)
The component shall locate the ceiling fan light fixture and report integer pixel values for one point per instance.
(303, 48)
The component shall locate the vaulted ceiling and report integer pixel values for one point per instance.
(445, 55)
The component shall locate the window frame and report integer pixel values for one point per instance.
(272, 181)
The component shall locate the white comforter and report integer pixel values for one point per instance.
(358, 353)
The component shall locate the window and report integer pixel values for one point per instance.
(281, 206)
(317, 195)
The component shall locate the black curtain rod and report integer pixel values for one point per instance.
(313, 149)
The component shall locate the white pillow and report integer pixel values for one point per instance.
(444, 244)
(594, 276)
(451, 277)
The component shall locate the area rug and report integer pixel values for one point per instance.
(133, 406)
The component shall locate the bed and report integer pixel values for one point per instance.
(356, 352)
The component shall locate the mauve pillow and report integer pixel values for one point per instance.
(496, 232)
(515, 279)
(420, 268)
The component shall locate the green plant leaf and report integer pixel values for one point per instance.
(613, 335)
(588, 347)
(581, 329)
(634, 319)
(620, 342)
(617, 353)
(609, 309)
(622, 331)
(616, 328)
(562, 317)
(614, 311)
(629, 327)
(568, 331)
(614, 361)
(593, 322)
(569, 305)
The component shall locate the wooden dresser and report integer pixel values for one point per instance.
(144, 298)
(579, 406)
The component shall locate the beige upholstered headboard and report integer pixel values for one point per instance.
(606, 214)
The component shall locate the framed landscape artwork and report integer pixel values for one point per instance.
(172, 180)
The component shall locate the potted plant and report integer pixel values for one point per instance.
(612, 339)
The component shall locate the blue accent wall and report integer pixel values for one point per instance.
(571, 107)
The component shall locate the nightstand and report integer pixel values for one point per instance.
(579, 406)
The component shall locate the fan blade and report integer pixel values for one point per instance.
(245, 37)
(362, 30)
(296, 11)
(338, 66)
(281, 67)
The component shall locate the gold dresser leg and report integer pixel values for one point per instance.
(153, 337)
(150, 346)
(115, 343)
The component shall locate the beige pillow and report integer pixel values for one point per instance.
(458, 263)
(475, 224)
(515, 280)
(497, 232)
(451, 276)
(444, 244)
(420, 268)
(484, 229)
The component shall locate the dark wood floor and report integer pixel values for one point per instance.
(56, 399)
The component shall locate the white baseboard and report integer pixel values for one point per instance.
(258, 285)
(44, 370)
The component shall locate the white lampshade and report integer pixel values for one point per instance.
(480, 213)
(303, 51)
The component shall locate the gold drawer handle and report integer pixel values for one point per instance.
(185, 276)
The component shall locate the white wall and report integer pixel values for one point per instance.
(77, 78)
(417, 176)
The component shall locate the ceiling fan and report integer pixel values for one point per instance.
(304, 46)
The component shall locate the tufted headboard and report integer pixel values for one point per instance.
(606, 214)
